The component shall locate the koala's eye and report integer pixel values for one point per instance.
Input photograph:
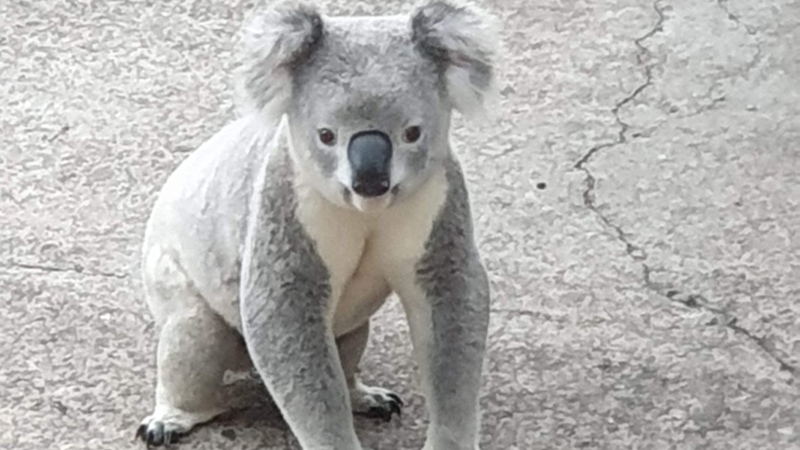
(327, 136)
(412, 134)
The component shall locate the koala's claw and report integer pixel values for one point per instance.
(397, 400)
(155, 434)
(377, 403)
(377, 413)
(383, 413)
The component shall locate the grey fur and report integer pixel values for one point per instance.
(418, 159)
(458, 36)
(457, 288)
(273, 43)
(427, 34)
(327, 160)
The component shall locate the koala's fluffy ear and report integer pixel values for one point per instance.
(463, 40)
(272, 43)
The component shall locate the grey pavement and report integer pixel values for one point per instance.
(637, 201)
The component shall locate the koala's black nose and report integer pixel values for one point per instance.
(370, 155)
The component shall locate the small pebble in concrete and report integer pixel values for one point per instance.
(229, 434)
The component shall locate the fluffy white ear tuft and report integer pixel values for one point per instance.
(273, 42)
(463, 40)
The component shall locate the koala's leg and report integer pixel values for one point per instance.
(195, 348)
(287, 295)
(449, 336)
(295, 353)
(369, 401)
(446, 298)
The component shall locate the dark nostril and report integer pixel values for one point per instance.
(371, 187)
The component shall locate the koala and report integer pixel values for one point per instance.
(272, 245)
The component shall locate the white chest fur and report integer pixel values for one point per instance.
(369, 254)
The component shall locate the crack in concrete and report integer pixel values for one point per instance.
(638, 253)
(728, 320)
(762, 342)
(588, 195)
(715, 101)
(743, 72)
(723, 4)
(642, 51)
(76, 268)
(751, 31)
(754, 61)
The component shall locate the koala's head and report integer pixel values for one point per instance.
(368, 99)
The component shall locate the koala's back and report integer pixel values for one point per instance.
(194, 234)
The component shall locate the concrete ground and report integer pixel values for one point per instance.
(637, 203)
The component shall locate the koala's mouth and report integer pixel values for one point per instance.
(368, 204)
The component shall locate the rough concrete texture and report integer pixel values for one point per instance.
(647, 297)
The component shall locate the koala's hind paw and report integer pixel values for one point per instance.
(375, 402)
(157, 433)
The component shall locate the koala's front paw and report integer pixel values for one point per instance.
(375, 402)
(166, 425)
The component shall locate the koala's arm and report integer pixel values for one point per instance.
(449, 318)
(285, 294)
